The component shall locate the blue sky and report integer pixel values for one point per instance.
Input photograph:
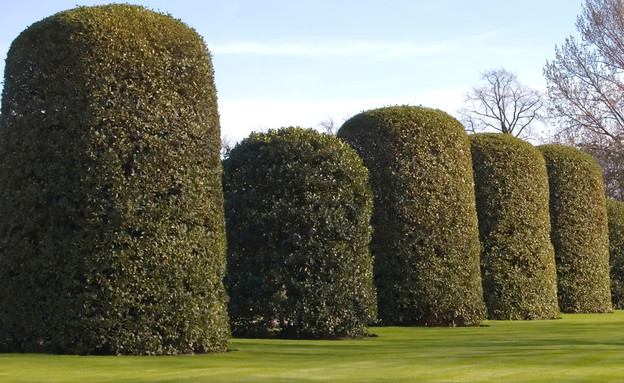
(299, 62)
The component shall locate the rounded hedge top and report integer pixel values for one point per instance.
(579, 229)
(425, 239)
(112, 236)
(518, 261)
(298, 209)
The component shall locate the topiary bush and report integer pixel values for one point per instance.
(517, 260)
(298, 209)
(112, 234)
(579, 230)
(425, 236)
(615, 216)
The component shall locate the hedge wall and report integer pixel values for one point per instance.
(112, 234)
(425, 239)
(298, 209)
(579, 230)
(615, 216)
(517, 260)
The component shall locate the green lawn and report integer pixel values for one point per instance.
(576, 348)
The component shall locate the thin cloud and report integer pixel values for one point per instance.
(512, 51)
(349, 47)
(344, 48)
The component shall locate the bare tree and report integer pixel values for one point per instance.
(611, 160)
(329, 125)
(586, 87)
(502, 104)
(584, 81)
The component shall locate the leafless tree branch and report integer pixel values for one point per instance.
(586, 87)
(503, 104)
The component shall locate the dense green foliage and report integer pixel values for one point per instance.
(112, 233)
(298, 209)
(425, 239)
(579, 230)
(615, 217)
(517, 260)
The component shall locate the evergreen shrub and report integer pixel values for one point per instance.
(425, 235)
(579, 229)
(112, 235)
(615, 216)
(298, 209)
(517, 260)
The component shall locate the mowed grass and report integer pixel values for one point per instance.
(576, 348)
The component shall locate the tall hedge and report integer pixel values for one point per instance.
(579, 229)
(112, 233)
(298, 209)
(517, 260)
(615, 216)
(425, 236)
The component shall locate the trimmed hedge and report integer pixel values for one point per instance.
(298, 209)
(112, 234)
(615, 216)
(579, 229)
(425, 239)
(518, 260)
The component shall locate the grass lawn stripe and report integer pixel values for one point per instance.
(576, 348)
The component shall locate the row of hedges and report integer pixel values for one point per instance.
(113, 234)
(426, 240)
